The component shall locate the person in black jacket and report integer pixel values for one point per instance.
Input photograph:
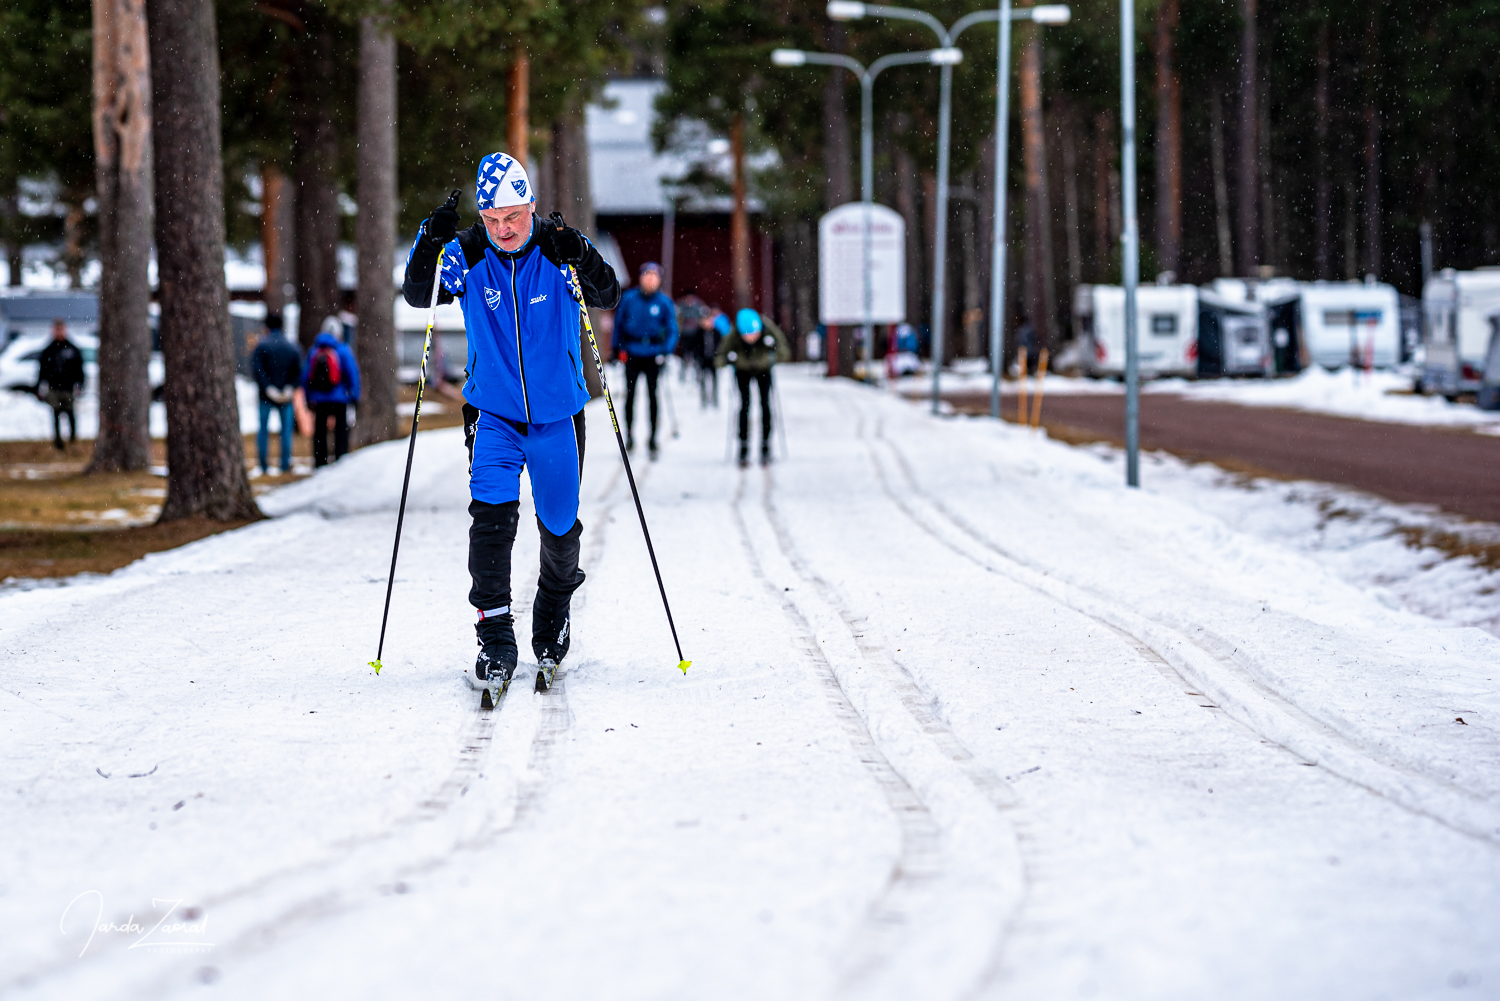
(277, 368)
(59, 378)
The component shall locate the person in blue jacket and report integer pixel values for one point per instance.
(646, 331)
(330, 378)
(524, 395)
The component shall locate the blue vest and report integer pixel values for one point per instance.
(523, 325)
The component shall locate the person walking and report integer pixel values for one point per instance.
(525, 395)
(59, 378)
(330, 378)
(276, 366)
(646, 331)
(754, 346)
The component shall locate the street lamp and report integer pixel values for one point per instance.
(1047, 14)
(946, 57)
(850, 10)
(1130, 243)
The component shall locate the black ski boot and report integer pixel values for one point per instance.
(744, 454)
(653, 450)
(497, 652)
(551, 626)
(765, 453)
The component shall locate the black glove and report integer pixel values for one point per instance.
(442, 225)
(568, 243)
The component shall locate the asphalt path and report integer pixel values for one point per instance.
(1455, 470)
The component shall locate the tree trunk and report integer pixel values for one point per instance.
(10, 217)
(908, 203)
(1268, 232)
(1247, 186)
(1105, 230)
(1168, 142)
(122, 160)
(970, 271)
(1221, 183)
(376, 233)
(1351, 225)
(205, 453)
(739, 222)
(572, 196)
(275, 227)
(1323, 199)
(315, 150)
(1034, 158)
(1371, 71)
(838, 157)
(518, 107)
(1070, 201)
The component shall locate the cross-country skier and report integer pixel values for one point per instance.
(525, 394)
(753, 347)
(646, 330)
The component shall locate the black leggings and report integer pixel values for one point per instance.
(634, 367)
(763, 380)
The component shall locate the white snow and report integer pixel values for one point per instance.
(966, 718)
(23, 417)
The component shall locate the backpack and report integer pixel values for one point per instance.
(325, 375)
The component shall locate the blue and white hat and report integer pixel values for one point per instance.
(502, 182)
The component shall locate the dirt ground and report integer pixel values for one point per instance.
(1455, 470)
(56, 522)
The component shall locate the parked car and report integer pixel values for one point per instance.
(1457, 306)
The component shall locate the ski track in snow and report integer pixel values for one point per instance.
(981, 808)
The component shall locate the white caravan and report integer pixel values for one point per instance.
(1457, 307)
(1166, 328)
(1351, 323)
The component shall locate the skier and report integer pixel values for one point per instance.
(754, 346)
(524, 396)
(275, 364)
(646, 330)
(59, 378)
(330, 378)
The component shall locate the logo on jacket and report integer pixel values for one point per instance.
(540, 298)
(492, 298)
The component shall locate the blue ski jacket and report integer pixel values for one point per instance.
(347, 391)
(646, 324)
(520, 317)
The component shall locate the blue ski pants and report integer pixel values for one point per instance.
(551, 453)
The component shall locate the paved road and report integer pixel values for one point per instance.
(1456, 470)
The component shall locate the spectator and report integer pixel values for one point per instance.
(59, 378)
(753, 347)
(275, 365)
(646, 331)
(330, 378)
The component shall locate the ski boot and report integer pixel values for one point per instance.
(765, 453)
(551, 626)
(744, 455)
(653, 450)
(496, 662)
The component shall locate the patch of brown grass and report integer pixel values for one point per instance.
(52, 553)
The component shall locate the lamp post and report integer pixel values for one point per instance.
(1130, 243)
(849, 10)
(797, 57)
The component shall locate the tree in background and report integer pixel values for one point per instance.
(376, 230)
(205, 453)
(122, 158)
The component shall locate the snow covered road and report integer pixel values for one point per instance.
(966, 719)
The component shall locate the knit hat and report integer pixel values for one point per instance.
(502, 183)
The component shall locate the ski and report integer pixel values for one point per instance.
(490, 694)
(545, 672)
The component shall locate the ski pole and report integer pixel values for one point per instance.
(671, 410)
(780, 417)
(577, 289)
(411, 448)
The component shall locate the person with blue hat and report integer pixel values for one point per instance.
(754, 345)
(646, 331)
(524, 395)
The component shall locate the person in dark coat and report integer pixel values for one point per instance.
(646, 331)
(330, 378)
(277, 367)
(59, 378)
(754, 346)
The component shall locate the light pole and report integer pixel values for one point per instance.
(1048, 14)
(1130, 243)
(797, 57)
(849, 10)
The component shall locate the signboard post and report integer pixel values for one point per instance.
(861, 269)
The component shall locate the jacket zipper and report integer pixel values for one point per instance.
(515, 311)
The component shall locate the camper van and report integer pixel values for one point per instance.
(450, 344)
(1234, 336)
(1166, 328)
(1457, 306)
(1351, 323)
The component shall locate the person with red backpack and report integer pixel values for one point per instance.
(330, 378)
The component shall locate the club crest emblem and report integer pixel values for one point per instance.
(492, 298)
(520, 185)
